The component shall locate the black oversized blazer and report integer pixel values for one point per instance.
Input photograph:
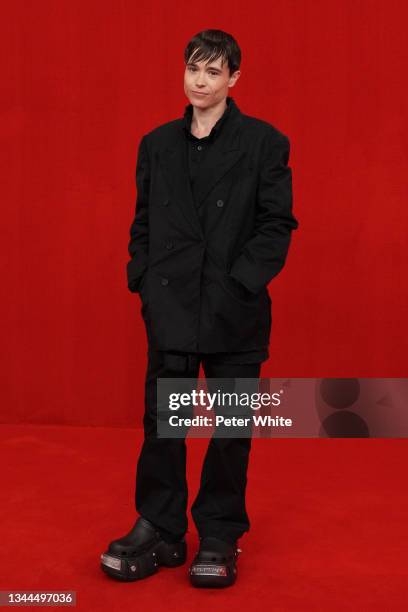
(202, 266)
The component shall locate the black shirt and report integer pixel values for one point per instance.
(197, 148)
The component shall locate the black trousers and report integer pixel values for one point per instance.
(161, 487)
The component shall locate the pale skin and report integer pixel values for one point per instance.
(212, 79)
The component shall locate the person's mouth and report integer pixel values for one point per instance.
(199, 93)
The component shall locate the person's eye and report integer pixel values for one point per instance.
(214, 73)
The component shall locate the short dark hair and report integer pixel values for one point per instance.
(212, 44)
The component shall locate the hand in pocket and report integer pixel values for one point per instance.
(240, 290)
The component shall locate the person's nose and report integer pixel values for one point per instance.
(200, 82)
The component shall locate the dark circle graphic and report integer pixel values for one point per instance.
(340, 393)
(344, 424)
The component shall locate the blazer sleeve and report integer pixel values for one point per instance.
(264, 254)
(139, 231)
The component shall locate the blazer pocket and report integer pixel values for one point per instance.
(239, 292)
(143, 288)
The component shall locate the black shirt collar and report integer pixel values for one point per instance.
(188, 115)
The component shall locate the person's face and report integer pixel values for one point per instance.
(205, 84)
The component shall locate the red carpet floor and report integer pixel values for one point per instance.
(329, 522)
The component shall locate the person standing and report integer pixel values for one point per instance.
(212, 227)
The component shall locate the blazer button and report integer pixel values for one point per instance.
(169, 245)
(220, 203)
(164, 281)
(166, 202)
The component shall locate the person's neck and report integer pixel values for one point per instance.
(204, 119)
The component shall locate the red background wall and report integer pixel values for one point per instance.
(82, 81)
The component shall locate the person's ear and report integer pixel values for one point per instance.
(234, 78)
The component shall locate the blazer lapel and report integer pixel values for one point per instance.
(224, 154)
(174, 163)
